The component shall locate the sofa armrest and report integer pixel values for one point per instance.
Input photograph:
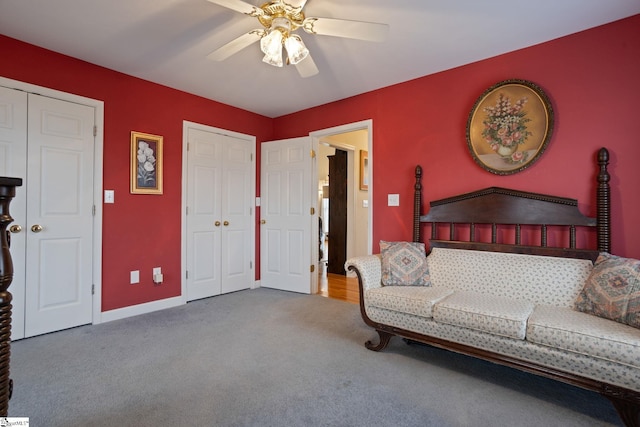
(369, 270)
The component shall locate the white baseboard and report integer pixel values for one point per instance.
(135, 310)
(256, 284)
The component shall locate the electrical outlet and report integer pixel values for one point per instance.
(157, 275)
(135, 276)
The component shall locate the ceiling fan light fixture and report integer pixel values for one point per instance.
(271, 43)
(271, 46)
(296, 50)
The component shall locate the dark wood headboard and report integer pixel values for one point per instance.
(498, 208)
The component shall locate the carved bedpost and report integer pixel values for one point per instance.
(7, 192)
(604, 203)
(417, 203)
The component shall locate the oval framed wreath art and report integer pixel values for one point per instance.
(509, 126)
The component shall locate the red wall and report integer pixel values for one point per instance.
(140, 231)
(592, 79)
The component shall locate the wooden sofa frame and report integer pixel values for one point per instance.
(483, 212)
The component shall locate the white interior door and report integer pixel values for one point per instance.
(59, 224)
(13, 163)
(286, 215)
(219, 218)
(204, 214)
(237, 214)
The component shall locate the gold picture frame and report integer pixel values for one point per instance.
(364, 170)
(509, 126)
(146, 163)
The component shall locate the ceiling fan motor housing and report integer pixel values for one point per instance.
(276, 11)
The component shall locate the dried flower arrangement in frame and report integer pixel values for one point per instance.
(146, 163)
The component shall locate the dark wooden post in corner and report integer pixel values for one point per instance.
(7, 192)
(604, 203)
(417, 204)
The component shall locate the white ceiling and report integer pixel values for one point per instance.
(167, 41)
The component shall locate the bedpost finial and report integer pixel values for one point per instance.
(603, 155)
(418, 171)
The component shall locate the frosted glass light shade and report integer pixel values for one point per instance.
(271, 45)
(296, 50)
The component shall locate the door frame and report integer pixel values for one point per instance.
(186, 125)
(97, 177)
(316, 136)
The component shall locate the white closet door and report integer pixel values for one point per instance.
(204, 224)
(236, 214)
(218, 253)
(59, 215)
(13, 163)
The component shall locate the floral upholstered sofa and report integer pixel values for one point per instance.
(542, 314)
(521, 279)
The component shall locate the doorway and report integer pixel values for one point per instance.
(355, 141)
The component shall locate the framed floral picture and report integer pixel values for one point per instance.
(146, 163)
(509, 126)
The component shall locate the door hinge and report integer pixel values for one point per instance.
(186, 274)
(93, 210)
(250, 265)
(187, 212)
(95, 130)
(250, 211)
(187, 146)
(251, 155)
(313, 154)
(313, 268)
(313, 211)
(93, 289)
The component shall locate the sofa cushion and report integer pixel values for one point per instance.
(496, 315)
(571, 330)
(404, 264)
(612, 290)
(417, 300)
(539, 279)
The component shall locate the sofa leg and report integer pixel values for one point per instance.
(382, 344)
(629, 412)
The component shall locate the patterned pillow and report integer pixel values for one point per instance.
(612, 290)
(404, 264)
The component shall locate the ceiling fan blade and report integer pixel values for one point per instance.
(359, 30)
(306, 67)
(240, 6)
(236, 45)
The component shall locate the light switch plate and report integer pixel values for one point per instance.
(135, 276)
(109, 196)
(393, 200)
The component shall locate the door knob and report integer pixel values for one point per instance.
(263, 221)
(225, 223)
(15, 228)
(217, 223)
(36, 228)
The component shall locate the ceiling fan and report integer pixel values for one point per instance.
(280, 19)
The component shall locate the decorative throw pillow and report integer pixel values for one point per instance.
(612, 290)
(404, 264)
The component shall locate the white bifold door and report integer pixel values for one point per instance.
(49, 143)
(219, 213)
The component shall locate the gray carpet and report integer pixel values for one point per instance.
(269, 358)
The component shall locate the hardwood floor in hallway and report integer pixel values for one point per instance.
(338, 286)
